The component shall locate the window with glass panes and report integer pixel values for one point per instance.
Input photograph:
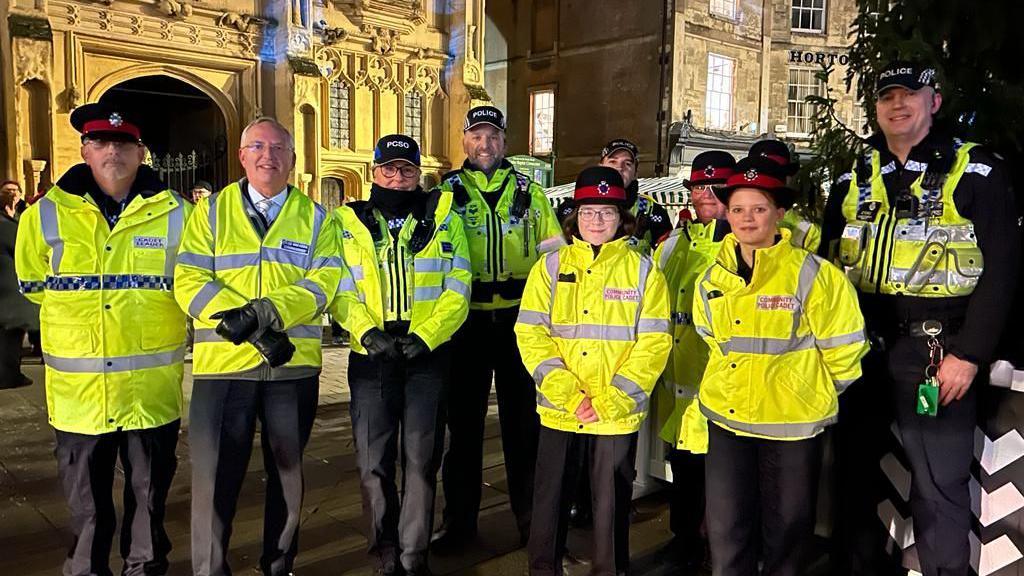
(339, 115)
(718, 99)
(414, 117)
(542, 122)
(724, 8)
(802, 83)
(809, 15)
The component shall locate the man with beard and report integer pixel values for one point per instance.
(97, 253)
(509, 223)
(407, 295)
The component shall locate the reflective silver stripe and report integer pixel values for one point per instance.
(232, 261)
(645, 269)
(800, 233)
(808, 272)
(542, 400)
(594, 332)
(212, 219)
(633, 390)
(845, 178)
(775, 430)
(175, 222)
(547, 367)
(890, 167)
(207, 335)
(202, 298)
(836, 341)
(923, 232)
(769, 346)
(533, 318)
(649, 325)
(703, 332)
(51, 232)
(318, 293)
(551, 244)
(842, 385)
(457, 286)
(115, 364)
(319, 215)
(326, 262)
(281, 256)
(346, 284)
(915, 166)
(668, 247)
(357, 272)
(305, 331)
(197, 260)
(432, 265)
(462, 264)
(977, 168)
(707, 304)
(551, 263)
(427, 293)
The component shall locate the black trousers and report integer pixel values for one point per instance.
(760, 496)
(612, 471)
(222, 425)
(939, 451)
(10, 357)
(86, 464)
(485, 348)
(686, 504)
(395, 401)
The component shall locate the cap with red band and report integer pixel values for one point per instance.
(101, 121)
(711, 167)
(759, 173)
(599, 185)
(777, 151)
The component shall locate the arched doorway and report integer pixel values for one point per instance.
(332, 192)
(182, 126)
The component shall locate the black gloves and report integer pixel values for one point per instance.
(237, 324)
(412, 346)
(275, 347)
(379, 345)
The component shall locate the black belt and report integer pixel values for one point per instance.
(922, 328)
(511, 289)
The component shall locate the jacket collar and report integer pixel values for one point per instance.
(935, 144)
(78, 181)
(481, 180)
(583, 249)
(763, 257)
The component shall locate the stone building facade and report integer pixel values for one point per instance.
(717, 72)
(339, 73)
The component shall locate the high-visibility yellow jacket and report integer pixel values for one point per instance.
(804, 233)
(224, 263)
(113, 337)
(502, 246)
(931, 254)
(387, 282)
(781, 348)
(597, 327)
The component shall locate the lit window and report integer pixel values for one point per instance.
(718, 101)
(542, 122)
(859, 120)
(339, 110)
(802, 83)
(414, 116)
(809, 15)
(724, 8)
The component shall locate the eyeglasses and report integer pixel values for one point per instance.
(260, 147)
(703, 189)
(407, 171)
(118, 145)
(604, 215)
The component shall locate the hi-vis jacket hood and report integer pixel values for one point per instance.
(781, 348)
(597, 327)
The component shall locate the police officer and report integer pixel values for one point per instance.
(408, 293)
(509, 223)
(925, 226)
(805, 233)
(257, 267)
(685, 254)
(652, 220)
(97, 253)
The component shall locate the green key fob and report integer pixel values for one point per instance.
(928, 398)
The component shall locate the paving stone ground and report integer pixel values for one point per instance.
(33, 517)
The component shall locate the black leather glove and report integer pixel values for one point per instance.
(275, 347)
(379, 344)
(237, 324)
(412, 346)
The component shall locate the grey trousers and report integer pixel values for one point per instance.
(223, 418)
(399, 400)
(86, 464)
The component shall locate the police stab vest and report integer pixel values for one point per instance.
(919, 245)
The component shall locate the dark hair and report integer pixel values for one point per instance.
(627, 224)
(6, 182)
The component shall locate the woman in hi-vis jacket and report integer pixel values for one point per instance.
(593, 329)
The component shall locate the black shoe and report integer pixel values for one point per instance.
(20, 381)
(389, 567)
(421, 571)
(448, 542)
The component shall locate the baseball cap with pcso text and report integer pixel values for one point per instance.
(395, 148)
(907, 75)
(484, 115)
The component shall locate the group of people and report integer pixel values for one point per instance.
(745, 335)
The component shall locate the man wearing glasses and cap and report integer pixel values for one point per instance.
(652, 220)
(509, 224)
(926, 229)
(97, 253)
